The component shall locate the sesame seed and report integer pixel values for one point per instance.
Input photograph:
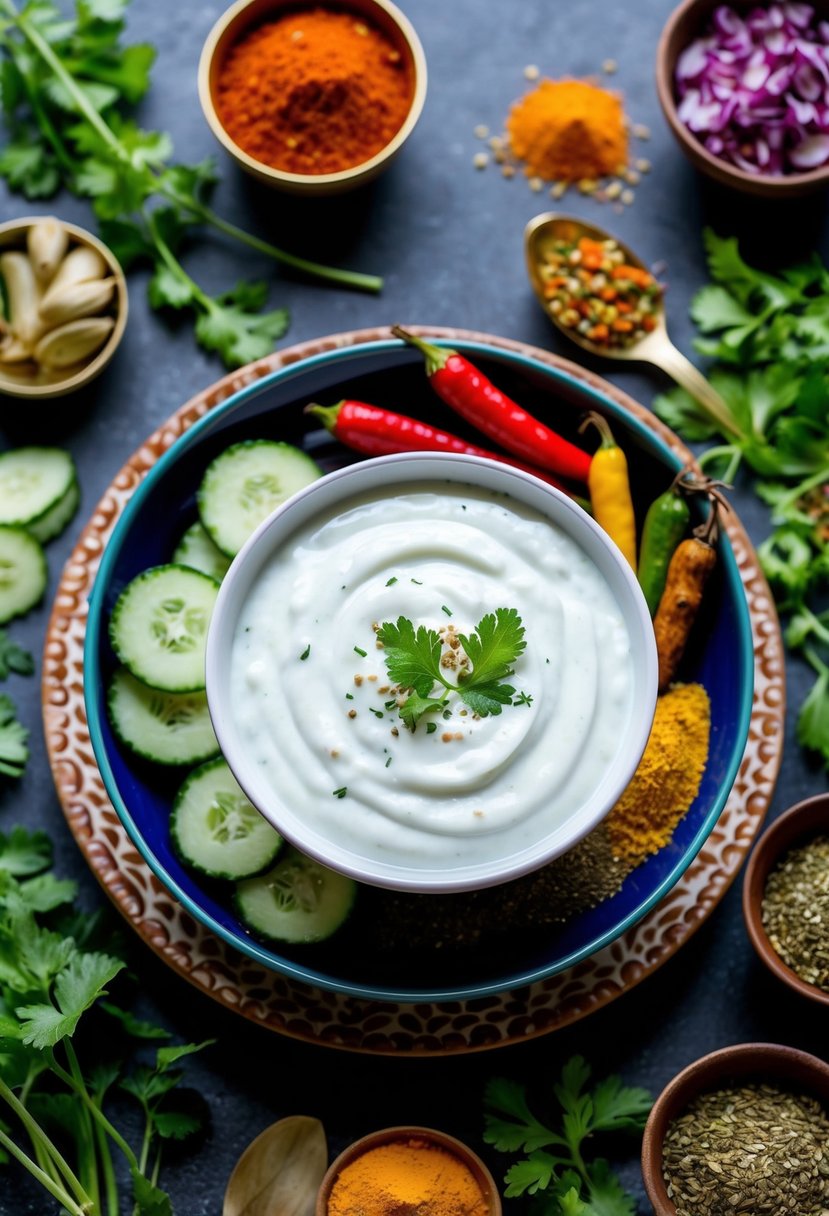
(480, 160)
(531, 72)
(627, 197)
(641, 131)
(643, 165)
(481, 131)
(609, 66)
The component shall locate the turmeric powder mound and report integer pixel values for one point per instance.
(668, 777)
(568, 130)
(406, 1176)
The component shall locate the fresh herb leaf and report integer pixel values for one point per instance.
(14, 751)
(412, 656)
(133, 1025)
(150, 1200)
(14, 658)
(77, 987)
(813, 719)
(557, 1163)
(415, 706)
(23, 852)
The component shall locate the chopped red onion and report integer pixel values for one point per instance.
(755, 88)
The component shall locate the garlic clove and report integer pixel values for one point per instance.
(47, 243)
(80, 264)
(73, 342)
(23, 296)
(76, 300)
(12, 350)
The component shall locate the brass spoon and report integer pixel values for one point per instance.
(655, 347)
(280, 1171)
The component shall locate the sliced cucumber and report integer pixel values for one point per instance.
(22, 572)
(216, 830)
(299, 900)
(196, 549)
(54, 521)
(159, 624)
(32, 483)
(248, 481)
(167, 727)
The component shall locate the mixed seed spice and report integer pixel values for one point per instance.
(795, 911)
(749, 1150)
(592, 290)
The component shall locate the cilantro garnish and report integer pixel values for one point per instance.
(305, 653)
(556, 1159)
(413, 660)
(14, 658)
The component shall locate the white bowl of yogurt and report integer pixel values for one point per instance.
(314, 712)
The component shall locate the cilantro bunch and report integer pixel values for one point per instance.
(770, 335)
(413, 661)
(53, 981)
(14, 747)
(66, 88)
(557, 1168)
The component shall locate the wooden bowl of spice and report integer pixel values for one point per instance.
(786, 898)
(312, 99)
(408, 1169)
(743, 1129)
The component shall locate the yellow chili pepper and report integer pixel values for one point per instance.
(609, 488)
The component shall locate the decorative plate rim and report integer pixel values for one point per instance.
(298, 1010)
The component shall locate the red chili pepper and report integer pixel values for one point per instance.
(476, 399)
(378, 432)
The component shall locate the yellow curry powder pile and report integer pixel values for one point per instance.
(406, 1176)
(668, 777)
(569, 130)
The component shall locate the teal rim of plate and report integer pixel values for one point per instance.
(93, 677)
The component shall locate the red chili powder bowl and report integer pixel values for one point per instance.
(314, 92)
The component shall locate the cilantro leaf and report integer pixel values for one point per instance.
(535, 1173)
(813, 718)
(231, 326)
(521, 1130)
(167, 289)
(127, 240)
(175, 1124)
(133, 1025)
(486, 699)
(571, 1205)
(493, 647)
(23, 852)
(44, 893)
(166, 1056)
(76, 988)
(150, 1200)
(618, 1107)
(14, 751)
(678, 410)
(29, 167)
(14, 658)
(412, 656)
(415, 706)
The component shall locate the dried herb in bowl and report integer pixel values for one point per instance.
(795, 910)
(753, 1149)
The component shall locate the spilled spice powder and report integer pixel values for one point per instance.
(569, 130)
(316, 91)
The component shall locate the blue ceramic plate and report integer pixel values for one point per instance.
(387, 373)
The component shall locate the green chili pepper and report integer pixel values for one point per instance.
(665, 525)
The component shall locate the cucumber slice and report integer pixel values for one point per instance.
(196, 549)
(32, 483)
(299, 900)
(54, 521)
(216, 830)
(22, 572)
(167, 727)
(244, 484)
(158, 627)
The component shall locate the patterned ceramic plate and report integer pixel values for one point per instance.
(322, 1015)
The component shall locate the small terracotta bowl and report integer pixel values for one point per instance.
(794, 1070)
(243, 16)
(794, 827)
(13, 236)
(684, 25)
(435, 1139)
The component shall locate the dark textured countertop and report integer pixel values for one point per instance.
(449, 241)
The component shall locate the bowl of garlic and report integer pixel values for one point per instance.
(64, 307)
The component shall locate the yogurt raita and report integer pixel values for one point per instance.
(319, 715)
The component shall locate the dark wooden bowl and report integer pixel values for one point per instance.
(684, 24)
(796, 1070)
(794, 827)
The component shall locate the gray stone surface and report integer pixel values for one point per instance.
(448, 240)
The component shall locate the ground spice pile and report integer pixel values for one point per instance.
(752, 1150)
(403, 1177)
(668, 777)
(796, 911)
(569, 130)
(313, 92)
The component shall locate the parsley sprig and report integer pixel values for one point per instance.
(66, 86)
(556, 1161)
(53, 981)
(413, 661)
(770, 336)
